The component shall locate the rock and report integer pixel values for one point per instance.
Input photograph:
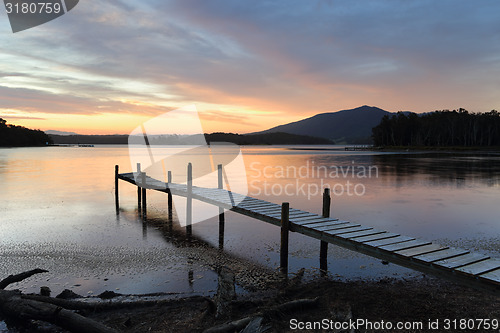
(68, 294)
(45, 291)
(108, 294)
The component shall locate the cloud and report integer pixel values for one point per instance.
(9, 117)
(379, 43)
(293, 58)
(226, 117)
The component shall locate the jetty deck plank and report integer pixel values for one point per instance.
(375, 237)
(347, 230)
(294, 214)
(362, 233)
(492, 276)
(421, 250)
(256, 204)
(317, 221)
(463, 260)
(474, 269)
(324, 226)
(331, 228)
(441, 255)
(480, 267)
(330, 223)
(388, 241)
(305, 220)
(404, 245)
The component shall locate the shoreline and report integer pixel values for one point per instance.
(494, 149)
(415, 300)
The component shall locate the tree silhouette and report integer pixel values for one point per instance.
(439, 128)
(19, 136)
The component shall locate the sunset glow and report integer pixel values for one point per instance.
(106, 68)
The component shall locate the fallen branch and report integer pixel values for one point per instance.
(109, 305)
(12, 304)
(19, 277)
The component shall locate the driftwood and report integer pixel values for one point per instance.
(255, 326)
(14, 305)
(19, 277)
(240, 324)
(104, 306)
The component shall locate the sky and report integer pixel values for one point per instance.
(106, 67)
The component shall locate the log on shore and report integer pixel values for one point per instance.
(19, 277)
(13, 305)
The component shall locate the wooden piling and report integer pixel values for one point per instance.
(189, 198)
(219, 177)
(220, 185)
(323, 250)
(117, 202)
(169, 179)
(285, 226)
(139, 191)
(144, 204)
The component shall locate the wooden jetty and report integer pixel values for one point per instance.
(458, 265)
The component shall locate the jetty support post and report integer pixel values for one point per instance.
(169, 180)
(221, 209)
(117, 202)
(143, 182)
(138, 188)
(323, 251)
(189, 203)
(285, 227)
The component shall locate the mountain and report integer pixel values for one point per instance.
(346, 126)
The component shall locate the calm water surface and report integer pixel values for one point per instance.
(57, 212)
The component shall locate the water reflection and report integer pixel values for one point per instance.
(441, 169)
(59, 212)
(252, 274)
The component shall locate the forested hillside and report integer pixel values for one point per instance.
(19, 136)
(439, 128)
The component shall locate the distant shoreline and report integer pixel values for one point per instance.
(440, 148)
(37, 146)
(239, 139)
(398, 149)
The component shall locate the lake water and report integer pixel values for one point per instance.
(57, 212)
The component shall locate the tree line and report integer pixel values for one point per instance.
(19, 136)
(174, 139)
(439, 128)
